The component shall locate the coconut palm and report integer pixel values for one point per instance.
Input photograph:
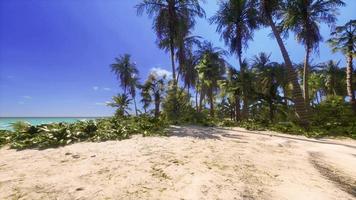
(344, 40)
(232, 87)
(270, 76)
(121, 102)
(187, 61)
(303, 17)
(152, 91)
(269, 11)
(146, 98)
(334, 78)
(127, 74)
(236, 20)
(211, 69)
(172, 20)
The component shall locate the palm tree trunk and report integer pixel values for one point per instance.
(237, 108)
(306, 78)
(157, 103)
(196, 100)
(134, 99)
(245, 100)
(300, 106)
(350, 91)
(211, 101)
(171, 46)
(201, 99)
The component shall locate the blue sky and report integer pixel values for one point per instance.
(55, 55)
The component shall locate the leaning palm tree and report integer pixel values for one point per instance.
(172, 20)
(270, 10)
(303, 17)
(236, 20)
(127, 74)
(344, 40)
(211, 69)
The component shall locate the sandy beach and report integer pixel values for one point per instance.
(192, 163)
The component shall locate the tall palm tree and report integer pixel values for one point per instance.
(127, 74)
(236, 20)
(211, 69)
(303, 17)
(172, 20)
(344, 40)
(270, 10)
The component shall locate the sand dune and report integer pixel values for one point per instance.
(192, 163)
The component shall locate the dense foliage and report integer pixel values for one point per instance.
(42, 136)
(314, 99)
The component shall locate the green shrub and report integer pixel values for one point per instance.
(59, 134)
(20, 126)
(252, 124)
(334, 117)
(4, 137)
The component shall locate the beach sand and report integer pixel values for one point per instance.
(192, 163)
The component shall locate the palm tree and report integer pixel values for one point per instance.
(172, 20)
(232, 87)
(211, 69)
(121, 102)
(303, 17)
(146, 98)
(127, 74)
(270, 76)
(153, 90)
(269, 10)
(344, 40)
(187, 61)
(132, 90)
(334, 78)
(236, 20)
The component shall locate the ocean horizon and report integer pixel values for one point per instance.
(6, 122)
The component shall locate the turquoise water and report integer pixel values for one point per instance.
(5, 122)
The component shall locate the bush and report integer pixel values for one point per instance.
(252, 124)
(334, 117)
(59, 134)
(4, 137)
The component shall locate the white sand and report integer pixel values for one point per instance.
(195, 163)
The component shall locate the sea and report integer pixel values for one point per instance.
(5, 122)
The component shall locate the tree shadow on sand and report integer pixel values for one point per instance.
(202, 133)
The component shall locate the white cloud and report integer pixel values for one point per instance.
(102, 103)
(95, 88)
(161, 72)
(27, 97)
(21, 102)
(107, 89)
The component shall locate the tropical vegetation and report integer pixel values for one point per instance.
(314, 99)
